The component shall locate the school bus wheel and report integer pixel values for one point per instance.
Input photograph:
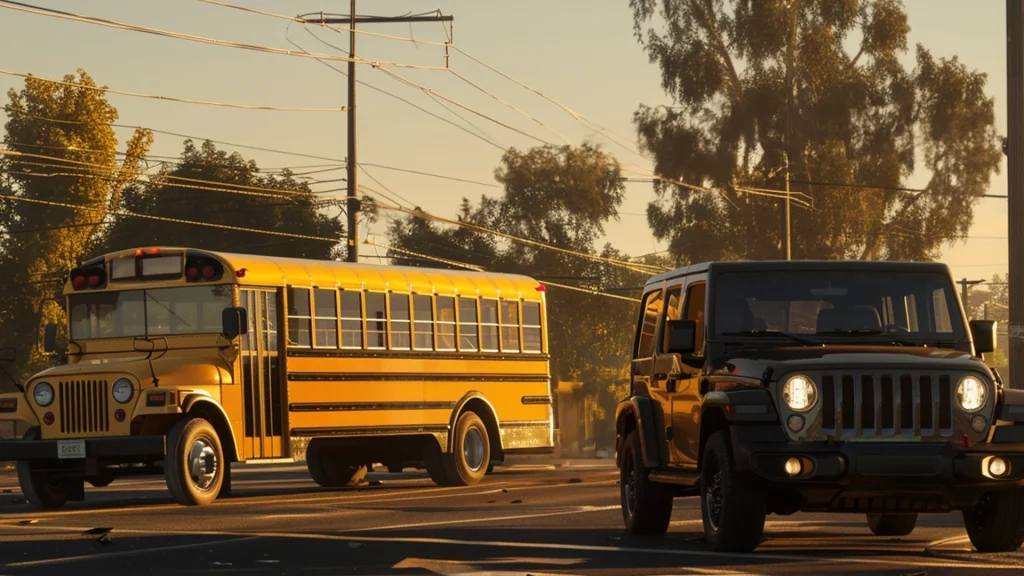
(471, 452)
(194, 466)
(328, 466)
(40, 488)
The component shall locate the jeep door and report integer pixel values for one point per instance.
(645, 382)
(684, 389)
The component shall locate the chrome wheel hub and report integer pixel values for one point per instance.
(630, 486)
(713, 499)
(473, 450)
(202, 464)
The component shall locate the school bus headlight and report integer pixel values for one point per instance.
(43, 394)
(123, 390)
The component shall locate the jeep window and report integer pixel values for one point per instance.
(673, 311)
(919, 306)
(648, 324)
(695, 311)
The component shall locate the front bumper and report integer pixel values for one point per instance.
(852, 474)
(118, 447)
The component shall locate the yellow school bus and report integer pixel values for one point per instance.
(182, 362)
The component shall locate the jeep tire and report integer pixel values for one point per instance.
(996, 523)
(732, 505)
(889, 524)
(646, 505)
(329, 467)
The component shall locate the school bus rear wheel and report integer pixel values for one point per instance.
(468, 461)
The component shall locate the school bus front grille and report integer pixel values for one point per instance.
(83, 406)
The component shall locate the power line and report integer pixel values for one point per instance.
(28, 8)
(171, 98)
(883, 188)
(125, 213)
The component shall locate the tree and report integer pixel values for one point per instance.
(209, 186)
(558, 196)
(63, 154)
(760, 84)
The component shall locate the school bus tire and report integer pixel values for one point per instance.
(194, 466)
(467, 463)
(39, 489)
(328, 467)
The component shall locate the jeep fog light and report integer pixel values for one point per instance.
(799, 393)
(979, 423)
(794, 466)
(998, 467)
(971, 393)
(795, 422)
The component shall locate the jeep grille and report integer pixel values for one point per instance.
(887, 405)
(83, 406)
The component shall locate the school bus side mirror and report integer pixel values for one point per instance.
(235, 322)
(50, 338)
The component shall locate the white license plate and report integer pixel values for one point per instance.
(70, 449)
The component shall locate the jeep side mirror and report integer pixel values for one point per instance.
(682, 336)
(983, 332)
(8, 354)
(234, 322)
(50, 338)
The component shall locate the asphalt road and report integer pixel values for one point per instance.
(521, 520)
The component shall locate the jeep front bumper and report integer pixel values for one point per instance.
(115, 448)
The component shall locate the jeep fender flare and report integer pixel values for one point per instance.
(640, 411)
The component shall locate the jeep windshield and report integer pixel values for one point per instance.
(156, 312)
(904, 308)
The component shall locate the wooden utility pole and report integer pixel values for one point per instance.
(965, 284)
(351, 164)
(1015, 187)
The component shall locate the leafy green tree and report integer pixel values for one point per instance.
(63, 150)
(210, 186)
(560, 196)
(759, 84)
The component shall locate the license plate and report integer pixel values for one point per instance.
(70, 449)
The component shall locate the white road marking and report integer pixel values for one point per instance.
(71, 559)
(573, 510)
(910, 562)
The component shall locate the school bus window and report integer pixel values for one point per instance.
(489, 325)
(376, 337)
(445, 308)
(351, 320)
(400, 337)
(298, 317)
(509, 326)
(325, 303)
(423, 322)
(269, 321)
(531, 327)
(468, 339)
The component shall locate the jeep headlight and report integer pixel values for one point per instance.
(799, 393)
(43, 394)
(971, 393)
(122, 390)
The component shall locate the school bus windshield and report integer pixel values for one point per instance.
(151, 312)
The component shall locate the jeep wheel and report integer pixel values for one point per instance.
(329, 468)
(996, 523)
(732, 505)
(887, 524)
(646, 505)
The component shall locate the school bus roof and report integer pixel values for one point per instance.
(254, 270)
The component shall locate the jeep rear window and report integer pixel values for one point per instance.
(918, 305)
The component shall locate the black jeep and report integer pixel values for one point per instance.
(778, 387)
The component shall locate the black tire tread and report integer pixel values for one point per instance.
(744, 504)
(1002, 528)
(653, 500)
(174, 473)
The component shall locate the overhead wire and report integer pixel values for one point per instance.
(172, 98)
(49, 12)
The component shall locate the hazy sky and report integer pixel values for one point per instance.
(581, 53)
